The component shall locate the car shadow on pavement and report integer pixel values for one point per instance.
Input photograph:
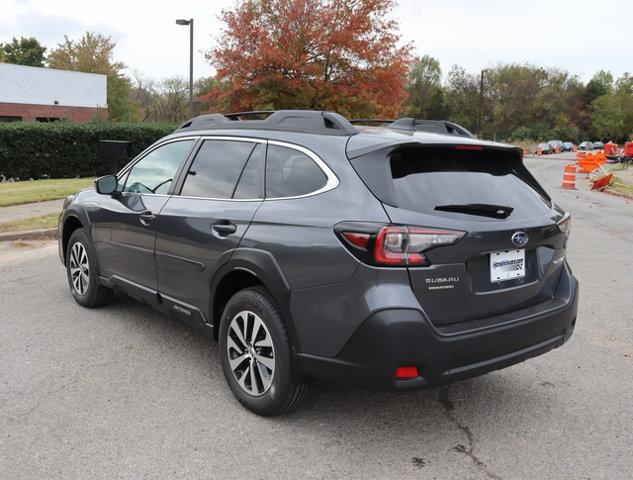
(458, 419)
(327, 401)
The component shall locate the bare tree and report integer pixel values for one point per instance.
(161, 101)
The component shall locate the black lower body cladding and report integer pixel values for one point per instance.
(394, 338)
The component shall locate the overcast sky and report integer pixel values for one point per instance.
(581, 36)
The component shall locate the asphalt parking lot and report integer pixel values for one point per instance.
(123, 392)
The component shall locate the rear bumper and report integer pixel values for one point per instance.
(405, 337)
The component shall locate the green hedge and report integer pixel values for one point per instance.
(65, 149)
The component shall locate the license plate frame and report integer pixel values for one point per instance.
(507, 265)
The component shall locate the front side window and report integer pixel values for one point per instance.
(291, 173)
(155, 172)
(217, 168)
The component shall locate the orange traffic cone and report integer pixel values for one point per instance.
(569, 177)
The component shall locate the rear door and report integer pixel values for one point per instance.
(216, 199)
(490, 195)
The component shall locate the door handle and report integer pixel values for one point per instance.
(146, 218)
(223, 228)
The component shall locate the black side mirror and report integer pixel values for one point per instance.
(107, 185)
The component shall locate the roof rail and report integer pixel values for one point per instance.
(204, 121)
(303, 121)
(435, 126)
(237, 115)
(370, 120)
(416, 125)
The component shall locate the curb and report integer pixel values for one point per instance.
(40, 234)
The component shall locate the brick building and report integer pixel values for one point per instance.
(46, 94)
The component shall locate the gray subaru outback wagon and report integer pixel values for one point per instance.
(385, 254)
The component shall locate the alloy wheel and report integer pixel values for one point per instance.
(251, 353)
(79, 268)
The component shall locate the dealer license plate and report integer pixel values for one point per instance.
(507, 265)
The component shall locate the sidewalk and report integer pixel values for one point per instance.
(21, 212)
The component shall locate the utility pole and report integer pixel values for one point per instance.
(481, 103)
(190, 23)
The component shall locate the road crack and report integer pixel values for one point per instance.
(469, 449)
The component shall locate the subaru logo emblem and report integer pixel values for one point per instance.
(520, 239)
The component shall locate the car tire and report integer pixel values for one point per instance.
(252, 334)
(83, 272)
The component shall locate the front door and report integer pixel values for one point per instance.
(124, 224)
(221, 191)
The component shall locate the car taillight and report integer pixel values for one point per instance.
(357, 239)
(396, 245)
(565, 224)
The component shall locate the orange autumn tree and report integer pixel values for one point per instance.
(340, 55)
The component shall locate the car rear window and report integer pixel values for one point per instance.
(423, 179)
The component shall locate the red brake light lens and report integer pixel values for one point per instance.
(407, 372)
(405, 245)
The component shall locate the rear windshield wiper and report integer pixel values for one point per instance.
(481, 209)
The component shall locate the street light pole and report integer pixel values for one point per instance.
(190, 23)
(481, 103)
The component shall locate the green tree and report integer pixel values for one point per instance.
(601, 84)
(624, 84)
(424, 86)
(564, 128)
(461, 97)
(560, 106)
(512, 90)
(607, 117)
(624, 94)
(94, 53)
(25, 51)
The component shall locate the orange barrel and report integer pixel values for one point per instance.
(569, 177)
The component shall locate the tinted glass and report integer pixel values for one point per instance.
(290, 173)
(216, 168)
(428, 178)
(155, 172)
(250, 184)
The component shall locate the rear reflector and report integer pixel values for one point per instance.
(407, 372)
(468, 147)
(357, 239)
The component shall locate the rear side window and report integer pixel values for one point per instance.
(216, 169)
(437, 180)
(251, 182)
(291, 173)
